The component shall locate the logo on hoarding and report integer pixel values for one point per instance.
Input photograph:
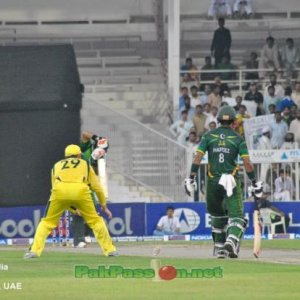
(24, 228)
(188, 218)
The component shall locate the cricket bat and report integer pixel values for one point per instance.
(102, 175)
(257, 233)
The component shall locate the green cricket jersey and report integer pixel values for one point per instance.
(87, 149)
(223, 146)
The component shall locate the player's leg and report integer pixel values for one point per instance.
(236, 223)
(54, 210)
(215, 207)
(96, 223)
(78, 229)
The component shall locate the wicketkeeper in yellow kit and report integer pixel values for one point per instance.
(72, 182)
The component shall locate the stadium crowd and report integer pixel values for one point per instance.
(203, 93)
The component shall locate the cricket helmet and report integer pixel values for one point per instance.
(226, 113)
(72, 150)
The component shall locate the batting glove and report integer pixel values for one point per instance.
(190, 185)
(256, 188)
(98, 153)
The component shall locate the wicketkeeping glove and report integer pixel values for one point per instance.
(190, 185)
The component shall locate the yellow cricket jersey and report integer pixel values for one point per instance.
(77, 171)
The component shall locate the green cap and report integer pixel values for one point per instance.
(226, 113)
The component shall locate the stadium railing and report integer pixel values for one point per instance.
(240, 80)
(139, 152)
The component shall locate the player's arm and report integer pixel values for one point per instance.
(257, 187)
(159, 226)
(190, 182)
(97, 188)
(196, 164)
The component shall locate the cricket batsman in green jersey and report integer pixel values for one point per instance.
(224, 193)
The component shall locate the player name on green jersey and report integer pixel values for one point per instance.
(223, 150)
(223, 146)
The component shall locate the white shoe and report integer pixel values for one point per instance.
(88, 239)
(29, 255)
(81, 245)
(231, 248)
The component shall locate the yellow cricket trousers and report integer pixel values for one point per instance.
(63, 196)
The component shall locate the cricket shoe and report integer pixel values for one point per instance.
(87, 239)
(29, 255)
(113, 253)
(231, 248)
(221, 254)
(81, 245)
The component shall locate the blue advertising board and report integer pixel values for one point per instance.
(138, 219)
(195, 220)
(21, 222)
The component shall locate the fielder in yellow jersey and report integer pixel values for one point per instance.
(72, 181)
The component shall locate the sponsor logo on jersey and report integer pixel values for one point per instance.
(188, 218)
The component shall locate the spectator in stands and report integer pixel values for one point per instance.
(221, 43)
(195, 98)
(223, 86)
(269, 58)
(293, 112)
(264, 143)
(252, 63)
(207, 109)
(219, 8)
(240, 117)
(199, 120)
(290, 57)
(238, 101)
(227, 98)
(212, 125)
(215, 99)
(286, 101)
(187, 106)
(227, 66)
(242, 8)
(270, 99)
(279, 90)
(284, 186)
(296, 94)
(187, 69)
(257, 97)
(181, 128)
(212, 117)
(279, 131)
(192, 141)
(289, 142)
(168, 224)
(286, 116)
(272, 109)
(204, 96)
(295, 128)
(184, 93)
(207, 67)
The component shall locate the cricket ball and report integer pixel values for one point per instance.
(167, 272)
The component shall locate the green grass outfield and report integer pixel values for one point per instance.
(52, 277)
